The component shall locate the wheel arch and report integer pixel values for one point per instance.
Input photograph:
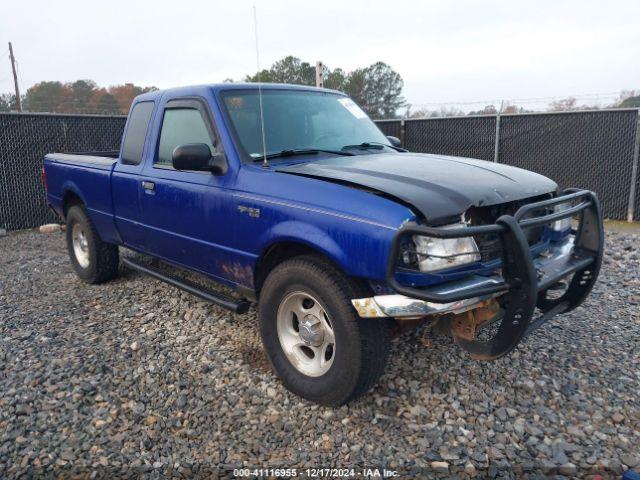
(71, 196)
(282, 250)
(285, 249)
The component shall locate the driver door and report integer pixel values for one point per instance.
(186, 212)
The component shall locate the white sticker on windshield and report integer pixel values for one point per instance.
(354, 109)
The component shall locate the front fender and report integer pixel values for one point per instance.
(360, 249)
(304, 233)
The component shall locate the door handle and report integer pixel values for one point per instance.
(147, 185)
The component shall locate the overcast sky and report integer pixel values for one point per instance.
(446, 51)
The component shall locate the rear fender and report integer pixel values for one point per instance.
(69, 187)
(103, 221)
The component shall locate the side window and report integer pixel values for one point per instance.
(180, 126)
(133, 144)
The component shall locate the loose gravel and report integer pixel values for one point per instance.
(137, 378)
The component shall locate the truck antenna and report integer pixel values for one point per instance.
(265, 163)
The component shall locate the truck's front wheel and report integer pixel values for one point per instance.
(93, 260)
(316, 343)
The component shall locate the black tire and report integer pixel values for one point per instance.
(103, 258)
(361, 345)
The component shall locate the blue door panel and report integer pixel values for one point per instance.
(224, 264)
(125, 185)
(191, 224)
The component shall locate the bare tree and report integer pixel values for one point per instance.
(564, 105)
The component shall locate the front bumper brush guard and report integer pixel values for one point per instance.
(523, 290)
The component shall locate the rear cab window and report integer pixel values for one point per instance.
(133, 144)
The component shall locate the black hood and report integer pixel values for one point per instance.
(438, 186)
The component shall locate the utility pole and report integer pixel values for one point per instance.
(15, 77)
(319, 74)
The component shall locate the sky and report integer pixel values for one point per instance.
(461, 52)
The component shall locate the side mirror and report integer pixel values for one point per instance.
(395, 141)
(197, 156)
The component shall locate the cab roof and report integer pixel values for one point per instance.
(218, 87)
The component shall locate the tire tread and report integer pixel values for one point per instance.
(107, 258)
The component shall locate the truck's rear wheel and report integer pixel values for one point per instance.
(316, 343)
(93, 260)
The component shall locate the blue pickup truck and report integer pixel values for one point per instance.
(291, 197)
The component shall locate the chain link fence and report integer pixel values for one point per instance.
(596, 150)
(593, 149)
(25, 139)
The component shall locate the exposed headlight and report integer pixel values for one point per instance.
(561, 225)
(441, 253)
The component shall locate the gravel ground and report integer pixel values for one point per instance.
(137, 378)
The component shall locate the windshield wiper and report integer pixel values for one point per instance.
(365, 146)
(301, 151)
(373, 146)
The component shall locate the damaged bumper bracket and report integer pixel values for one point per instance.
(402, 306)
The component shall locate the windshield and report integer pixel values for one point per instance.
(298, 120)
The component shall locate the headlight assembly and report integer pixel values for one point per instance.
(563, 225)
(435, 254)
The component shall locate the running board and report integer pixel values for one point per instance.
(220, 299)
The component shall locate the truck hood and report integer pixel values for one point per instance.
(437, 186)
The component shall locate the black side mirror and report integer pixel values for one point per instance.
(197, 156)
(395, 141)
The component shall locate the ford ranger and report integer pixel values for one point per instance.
(293, 199)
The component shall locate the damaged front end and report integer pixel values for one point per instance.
(490, 306)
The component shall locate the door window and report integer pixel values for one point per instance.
(180, 126)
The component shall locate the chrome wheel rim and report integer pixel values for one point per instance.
(80, 245)
(306, 334)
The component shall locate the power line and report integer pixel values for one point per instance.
(521, 100)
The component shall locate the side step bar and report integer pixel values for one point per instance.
(220, 299)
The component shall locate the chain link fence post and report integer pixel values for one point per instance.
(496, 150)
(634, 172)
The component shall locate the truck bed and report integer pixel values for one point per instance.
(87, 176)
(101, 160)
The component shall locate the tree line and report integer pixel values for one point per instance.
(81, 96)
(626, 99)
(376, 88)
